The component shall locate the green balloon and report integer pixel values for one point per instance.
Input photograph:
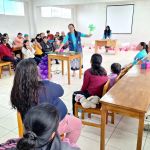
(91, 27)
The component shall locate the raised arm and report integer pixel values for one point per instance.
(86, 35)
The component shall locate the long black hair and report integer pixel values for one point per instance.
(40, 123)
(96, 68)
(75, 32)
(107, 32)
(24, 43)
(145, 46)
(24, 93)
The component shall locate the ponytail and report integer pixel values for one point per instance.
(28, 142)
(145, 46)
(96, 68)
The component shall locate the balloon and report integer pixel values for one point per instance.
(46, 72)
(91, 27)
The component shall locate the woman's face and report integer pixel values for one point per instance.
(71, 28)
(27, 43)
(139, 47)
(107, 28)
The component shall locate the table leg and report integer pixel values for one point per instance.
(103, 126)
(49, 67)
(140, 131)
(68, 64)
(96, 48)
(62, 67)
(80, 69)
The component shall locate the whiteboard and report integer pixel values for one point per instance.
(120, 18)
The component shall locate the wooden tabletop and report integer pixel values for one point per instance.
(62, 56)
(132, 91)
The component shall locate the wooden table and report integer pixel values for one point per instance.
(64, 57)
(131, 97)
(101, 43)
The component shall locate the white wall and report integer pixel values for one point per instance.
(54, 24)
(14, 24)
(96, 14)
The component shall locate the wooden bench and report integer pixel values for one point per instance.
(3, 64)
(96, 111)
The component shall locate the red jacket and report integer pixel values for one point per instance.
(5, 51)
(93, 84)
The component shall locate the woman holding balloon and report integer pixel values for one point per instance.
(74, 40)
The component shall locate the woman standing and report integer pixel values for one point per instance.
(74, 40)
(107, 35)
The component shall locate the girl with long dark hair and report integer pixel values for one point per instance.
(74, 40)
(143, 48)
(107, 33)
(94, 79)
(41, 124)
(29, 52)
(29, 91)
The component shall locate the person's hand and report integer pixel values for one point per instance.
(89, 35)
(57, 50)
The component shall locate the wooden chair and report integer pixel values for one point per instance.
(20, 125)
(3, 64)
(96, 111)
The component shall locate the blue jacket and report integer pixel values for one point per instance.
(78, 47)
(50, 92)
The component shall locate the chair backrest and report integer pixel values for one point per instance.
(106, 87)
(20, 125)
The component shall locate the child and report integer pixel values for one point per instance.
(143, 48)
(94, 79)
(115, 70)
(29, 52)
(18, 42)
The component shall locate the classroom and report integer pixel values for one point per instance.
(74, 75)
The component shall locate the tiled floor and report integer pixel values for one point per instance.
(120, 136)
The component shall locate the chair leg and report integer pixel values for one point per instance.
(107, 117)
(82, 115)
(113, 118)
(89, 116)
(10, 72)
(76, 111)
(0, 72)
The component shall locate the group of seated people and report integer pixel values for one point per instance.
(35, 48)
(44, 114)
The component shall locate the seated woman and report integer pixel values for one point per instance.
(46, 46)
(94, 79)
(6, 53)
(18, 42)
(143, 48)
(40, 124)
(28, 91)
(29, 52)
(37, 47)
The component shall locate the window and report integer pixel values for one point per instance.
(46, 12)
(1, 7)
(56, 12)
(10, 7)
(14, 8)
